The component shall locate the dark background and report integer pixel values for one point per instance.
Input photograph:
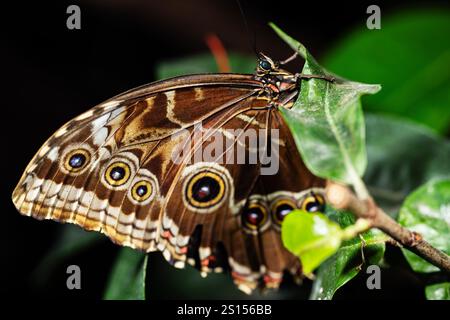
(51, 74)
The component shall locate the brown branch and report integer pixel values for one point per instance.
(341, 197)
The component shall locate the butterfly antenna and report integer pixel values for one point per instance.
(247, 29)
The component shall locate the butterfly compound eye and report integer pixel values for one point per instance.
(265, 65)
(314, 203)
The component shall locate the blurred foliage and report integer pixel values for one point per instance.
(167, 282)
(440, 291)
(70, 241)
(349, 260)
(410, 57)
(127, 278)
(402, 155)
(427, 211)
(204, 63)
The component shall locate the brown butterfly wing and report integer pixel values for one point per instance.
(131, 138)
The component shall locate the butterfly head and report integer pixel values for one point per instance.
(268, 67)
(266, 64)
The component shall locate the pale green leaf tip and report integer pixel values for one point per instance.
(289, 40)
(376, 88)
(371, 88)
(275, 27)
(304, 53)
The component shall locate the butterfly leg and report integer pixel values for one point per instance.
(299, 76)
(305, 76)
(289, 59)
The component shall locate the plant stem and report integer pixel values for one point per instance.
(361, 225)
(360, 187)
(341, 197)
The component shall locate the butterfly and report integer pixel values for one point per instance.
(112, 170)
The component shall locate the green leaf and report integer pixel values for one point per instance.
(327, 122)
(409, 56)
(347, 262)
(203, 63)
(440, 291)
(427, 211)
(402, 155)
(316, 238)
(127, 279)
(310, 236)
